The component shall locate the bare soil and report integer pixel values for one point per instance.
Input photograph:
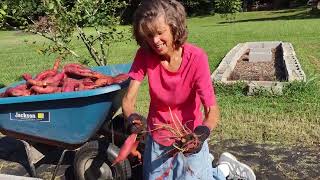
(259, 71)
(274, 161)
(268, 161)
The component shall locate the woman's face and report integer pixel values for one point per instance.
(159, 36)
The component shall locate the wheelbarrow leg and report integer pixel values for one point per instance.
(58, 165)
(27, 147)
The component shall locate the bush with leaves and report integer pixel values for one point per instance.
(3, 13)
(62, 21)
(228, 8)
(198, 7)
(14, 12)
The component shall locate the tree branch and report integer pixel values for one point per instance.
(90, 48)
(104, 58)
(56, 41)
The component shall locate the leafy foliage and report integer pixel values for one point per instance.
(13, 12)
(192, 7)
(228, 8)
(198, 7)
(60, 20)
(64, 19)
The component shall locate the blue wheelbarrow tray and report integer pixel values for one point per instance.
(66, 119)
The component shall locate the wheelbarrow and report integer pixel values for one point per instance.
(81, 121)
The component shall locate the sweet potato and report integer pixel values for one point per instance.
(98, 75)
(33, 82)
(70, 85)
(74, 77)
(49, 81)
(46, 90)
(85, 87)
(76, 72)
(54, 80)
(120, 78)
(26, 76)
(78, 66)
(87, 82)
(45, 74)
(126, 148)
(103, 81)
(21, 87)
(134, 151)
(20, 90)
(50, 72)
(56, 64)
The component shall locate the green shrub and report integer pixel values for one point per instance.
(198, 7)
(228, 8)
(14, 11)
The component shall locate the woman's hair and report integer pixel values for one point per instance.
(173, 13)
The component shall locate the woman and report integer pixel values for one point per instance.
(179, 83)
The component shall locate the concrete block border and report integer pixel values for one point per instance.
(293, 68)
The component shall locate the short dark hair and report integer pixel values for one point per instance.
(173, 12)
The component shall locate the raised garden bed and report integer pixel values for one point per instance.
(261, 65)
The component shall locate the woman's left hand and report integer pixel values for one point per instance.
(192, 143)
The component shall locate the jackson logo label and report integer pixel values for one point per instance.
(30, 116)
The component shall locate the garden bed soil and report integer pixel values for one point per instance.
(273, 70)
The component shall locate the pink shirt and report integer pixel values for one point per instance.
(183, 91)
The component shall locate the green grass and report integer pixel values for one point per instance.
(293, 118)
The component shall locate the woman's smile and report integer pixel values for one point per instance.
(159, 37)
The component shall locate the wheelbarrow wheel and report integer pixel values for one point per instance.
(93, 162)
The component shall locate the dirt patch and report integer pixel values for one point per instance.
(268, 161)
(273, 161)
(273, 70)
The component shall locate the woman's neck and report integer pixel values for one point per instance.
(174, 55)
(172, 63)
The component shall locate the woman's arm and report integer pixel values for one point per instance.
(212, 116)
(129, 99)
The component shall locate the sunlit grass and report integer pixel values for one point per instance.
(289, 119)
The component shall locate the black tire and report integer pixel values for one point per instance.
(93, 162)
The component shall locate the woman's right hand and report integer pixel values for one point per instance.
(136, 123)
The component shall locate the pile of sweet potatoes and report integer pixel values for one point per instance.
(72, 77)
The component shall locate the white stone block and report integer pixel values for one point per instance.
(12, 177)
(260, 55)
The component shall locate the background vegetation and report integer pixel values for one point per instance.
(293, 118)
(32, 9)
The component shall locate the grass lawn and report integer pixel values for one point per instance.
(293, 118)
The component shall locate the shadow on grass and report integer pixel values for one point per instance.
(301, 15)
(274, 161)
(287, 11)
(2, 85)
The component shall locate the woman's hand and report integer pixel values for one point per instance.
(192, 143)
(136, 123)
(201, 133)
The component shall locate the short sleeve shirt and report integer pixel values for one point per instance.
(176, 97)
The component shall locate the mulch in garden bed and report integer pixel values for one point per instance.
(259, 71)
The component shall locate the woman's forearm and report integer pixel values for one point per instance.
(212, 117)
(129, 99)
(127, 106)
